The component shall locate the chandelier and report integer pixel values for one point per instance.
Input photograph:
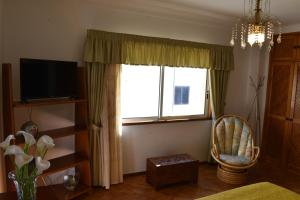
(258, 27)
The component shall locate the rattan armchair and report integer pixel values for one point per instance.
(233, 148)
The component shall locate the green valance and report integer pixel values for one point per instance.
(118, 48)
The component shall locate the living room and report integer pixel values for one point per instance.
(57, 30)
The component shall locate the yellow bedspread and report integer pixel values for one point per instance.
(258, 191)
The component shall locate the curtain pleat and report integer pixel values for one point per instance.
(99, 158)
(221, 58)
(218, 88)
(113, 123)
(105, 119)
(166, 53)
(119, 48)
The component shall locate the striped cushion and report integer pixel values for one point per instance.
(233, 137)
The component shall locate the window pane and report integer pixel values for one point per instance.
(181, 95)
(140, 91)
(184, 91)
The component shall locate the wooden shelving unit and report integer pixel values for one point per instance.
(65, 162)
(56, 133)
(79, 159)
(63, 194)
(20, 104)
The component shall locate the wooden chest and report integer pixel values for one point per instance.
(162, 171)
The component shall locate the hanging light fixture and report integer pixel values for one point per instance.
(258, 27)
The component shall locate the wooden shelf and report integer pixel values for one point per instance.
(56, 133)
(63, 194)
(80, 159)
(65, 162)
(19, 104)
(44, 193)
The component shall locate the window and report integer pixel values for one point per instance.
(155, 92)
(182, 94)
(140, 91)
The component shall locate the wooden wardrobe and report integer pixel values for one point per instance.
(281, 136)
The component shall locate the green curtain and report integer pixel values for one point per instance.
(164, 52)
(119, 48)
(218, 89)
(96, 85)
(103, 47)
(221, 58)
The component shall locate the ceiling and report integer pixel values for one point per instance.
(219, 11)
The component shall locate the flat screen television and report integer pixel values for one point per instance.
(47, 79)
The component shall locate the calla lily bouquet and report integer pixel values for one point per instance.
(29, 160)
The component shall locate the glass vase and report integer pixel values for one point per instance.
(25, 187)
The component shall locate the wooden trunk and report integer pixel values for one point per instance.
(162, 171)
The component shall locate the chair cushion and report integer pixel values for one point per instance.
(233, 137)
(235, 160)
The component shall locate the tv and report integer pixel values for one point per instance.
(47, 79)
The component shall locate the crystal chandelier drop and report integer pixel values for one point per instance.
(258, 27)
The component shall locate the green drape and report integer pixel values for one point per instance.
(103, 47)
(96, 84)
(164, 52)
(95, 77)
(221, 58)
(119, 48)
(218, 88)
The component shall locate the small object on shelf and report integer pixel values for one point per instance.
(30, 127)
(71, 182)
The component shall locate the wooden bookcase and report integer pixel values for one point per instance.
(79, 159)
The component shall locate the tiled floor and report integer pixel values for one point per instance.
(136, 188)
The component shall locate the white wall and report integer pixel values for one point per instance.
(238, 82)
(291, 28)
(141, 142)
(56, 29)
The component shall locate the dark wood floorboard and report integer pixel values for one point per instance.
(136, 188)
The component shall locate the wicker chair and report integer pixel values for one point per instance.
(233, 148)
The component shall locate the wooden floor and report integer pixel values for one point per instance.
(136, 188)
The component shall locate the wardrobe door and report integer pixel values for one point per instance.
(278, 115)
(297, 48)
(286, 50)
(293, 155)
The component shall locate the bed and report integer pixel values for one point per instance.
(258, 191)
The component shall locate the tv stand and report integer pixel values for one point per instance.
(80, 159)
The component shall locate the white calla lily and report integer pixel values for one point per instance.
(6, 142)
(29, 139)
(22, 159)
(13, 150)
(43, 144)
(41, 165)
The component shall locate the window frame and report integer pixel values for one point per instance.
(167, 119)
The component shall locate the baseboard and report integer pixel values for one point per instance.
(134, 174)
